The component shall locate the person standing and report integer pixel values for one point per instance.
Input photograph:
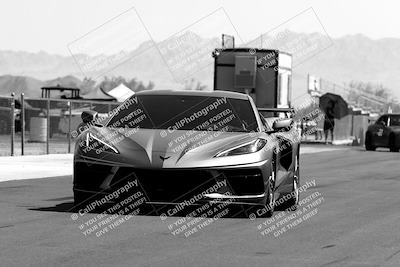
(329, 122)
(85, 124)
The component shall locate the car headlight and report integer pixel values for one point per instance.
(92, 142)
(246, 148)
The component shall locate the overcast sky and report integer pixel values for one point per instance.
(50, 25)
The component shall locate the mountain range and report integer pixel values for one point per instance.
(340, 60)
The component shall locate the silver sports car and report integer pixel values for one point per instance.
(187, 148)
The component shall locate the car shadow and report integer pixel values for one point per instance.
(232, 211)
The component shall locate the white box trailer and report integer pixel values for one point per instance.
(263, 73)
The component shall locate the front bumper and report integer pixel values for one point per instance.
(241, 184)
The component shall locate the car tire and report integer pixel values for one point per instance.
(293, 201)
(392, 144)
(368, 143)
(270, 201)
(267, 210)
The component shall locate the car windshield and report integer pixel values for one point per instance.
(395, 120)
(185, 112)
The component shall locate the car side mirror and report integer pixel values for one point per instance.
(88, 116)
(284, 124)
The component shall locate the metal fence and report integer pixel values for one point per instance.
(7, 112)
(31, 126)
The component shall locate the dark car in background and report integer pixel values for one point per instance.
(385, 132)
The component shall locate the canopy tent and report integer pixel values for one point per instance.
(98, 94)
(121, 93)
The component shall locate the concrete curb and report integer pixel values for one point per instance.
(35, 166)
(56, 165)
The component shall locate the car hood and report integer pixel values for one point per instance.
(170, 149)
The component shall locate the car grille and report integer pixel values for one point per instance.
(179, 185)
(166, 185)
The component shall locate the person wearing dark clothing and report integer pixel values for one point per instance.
(87, 120)
(329, 122)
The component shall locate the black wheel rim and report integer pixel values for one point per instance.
(296, 181)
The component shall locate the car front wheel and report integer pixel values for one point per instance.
(392, 144)
(270, 207)
(267, 210)
(368, 143)
(294, 196)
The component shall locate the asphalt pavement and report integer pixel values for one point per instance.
(351, 217)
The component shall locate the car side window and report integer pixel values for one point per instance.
(395, 120)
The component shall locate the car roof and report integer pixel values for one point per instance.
(219, 93)
(391, 114)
